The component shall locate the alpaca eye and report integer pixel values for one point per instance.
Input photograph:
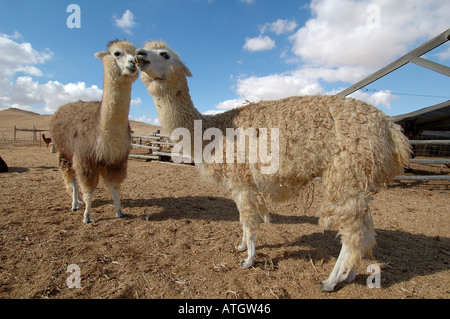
(165, 55)
(117, 54)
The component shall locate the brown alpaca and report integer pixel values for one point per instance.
(93, 138)
(354, 147)
(47, 140)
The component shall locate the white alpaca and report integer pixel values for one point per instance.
(353, 146)
(94, 138)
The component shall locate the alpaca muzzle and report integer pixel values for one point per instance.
(132, 66)
(141, 58)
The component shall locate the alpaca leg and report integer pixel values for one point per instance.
(70, 181)
(88, 180)
(336, 273)
(87, 218)
(357, 237)
(346, 208)
(75, 195)
(113, 177)
(115, 191)
(249, 238)
(243, 245)
(340, 272)
(252, 208)
(80, 198)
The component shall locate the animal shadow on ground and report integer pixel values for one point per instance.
(401, 255)
(205, 208)
(420, 185)
(43, 168)
(17, 169)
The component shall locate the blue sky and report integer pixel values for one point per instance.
(237, 50)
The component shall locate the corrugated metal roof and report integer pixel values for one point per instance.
(433, 118)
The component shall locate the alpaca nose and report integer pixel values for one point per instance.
(141, 60)
(141, 52)
(141, 57)
(131, 64)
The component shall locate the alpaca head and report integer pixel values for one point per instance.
(161, 67)
(119, 61)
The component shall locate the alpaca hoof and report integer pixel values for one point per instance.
(88, 220)
(74, 209)
(327, 286)
(122, 215)
(246, 263)
(241, 248)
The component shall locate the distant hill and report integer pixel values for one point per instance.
(15, 111)
(26, 120)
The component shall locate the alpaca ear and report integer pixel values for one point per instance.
(101, 54)
(187, 71)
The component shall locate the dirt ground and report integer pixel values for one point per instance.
(179, 240)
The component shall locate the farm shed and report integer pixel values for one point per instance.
(430, 123)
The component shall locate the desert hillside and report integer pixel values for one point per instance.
(27, 120)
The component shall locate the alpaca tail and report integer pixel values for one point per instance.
(401, 149)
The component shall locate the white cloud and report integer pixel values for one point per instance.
(231, 104)
(279, 27)
(344, 33)
(213, 112)
(349, 74)
(277, 86)
(56, 94)
(26, 92)
(259, 43)
(304, 81)
(145, 119)
(126, 22)
(444, 55)
(343, 41)
(262, 42)
(29, 69)
(136, 102)
(5, 85)
(20, 57)
(380, 99)
(23, 92)
(16, 35)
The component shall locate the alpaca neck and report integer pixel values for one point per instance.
(115, 105)
(176, 110)
(114, 142)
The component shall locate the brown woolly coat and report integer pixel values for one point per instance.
(75, 128)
